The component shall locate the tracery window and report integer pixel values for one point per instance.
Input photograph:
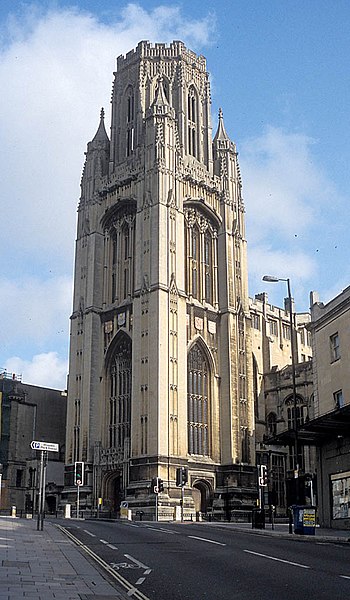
(120, 395)
(201, 257)
(122, 257)
(192, 116)
(198, 402)
(130, 121)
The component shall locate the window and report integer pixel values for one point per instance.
(192, 121)
(120, 395)
(130, 126)
(273, 327)
(255, 321)
(300, 412)
(338, 399)
(271, 424)
(198, 403)
(201, 251)
(302, 336)
(19, 477)
(122, 257)
(335, 349)
(286, 331)
(340, 495)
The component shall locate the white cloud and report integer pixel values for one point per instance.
(284, 189)
(47, 370)
(34, 308)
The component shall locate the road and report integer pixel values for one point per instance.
(196, 561)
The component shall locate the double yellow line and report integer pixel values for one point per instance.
(132, 591)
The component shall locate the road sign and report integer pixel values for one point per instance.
(47, 446)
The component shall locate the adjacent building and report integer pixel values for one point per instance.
(274, 399)
(160, 373)
(330, 430)
(28, 413)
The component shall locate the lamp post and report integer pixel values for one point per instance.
(272, 279)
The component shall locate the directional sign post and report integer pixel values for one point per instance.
(44, 448)
(47, 446)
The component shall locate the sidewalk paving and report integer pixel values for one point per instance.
(46, 565)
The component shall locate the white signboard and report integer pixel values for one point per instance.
(47, 446)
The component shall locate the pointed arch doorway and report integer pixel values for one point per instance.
(113, 490)
(201, 495)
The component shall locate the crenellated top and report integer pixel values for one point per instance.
(147, 50)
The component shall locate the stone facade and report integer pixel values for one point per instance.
(28, 413)
(160, 355)
(273, 394)
(330, 326)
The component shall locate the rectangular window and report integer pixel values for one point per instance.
(19, 474)
(340, 495)
(255, 321)
(302, 336)
(335, 348)
(338, 399)
(273, 328)
(286, 331)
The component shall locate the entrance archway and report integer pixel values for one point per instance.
(201, 495)
(113, 492)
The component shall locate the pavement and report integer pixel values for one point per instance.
(47, 565)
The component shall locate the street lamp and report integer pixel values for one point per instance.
(272, 279)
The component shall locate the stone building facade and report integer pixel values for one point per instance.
(160, 355)
(27, 413)
(274, 400)
(330, 430)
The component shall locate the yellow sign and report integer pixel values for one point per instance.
(99, 501)
(309, 517)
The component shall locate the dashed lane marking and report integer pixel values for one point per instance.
(194, 537)
(288, 562)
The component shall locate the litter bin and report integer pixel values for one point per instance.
(304, 519)
(258, 518)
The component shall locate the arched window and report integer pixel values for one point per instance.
(271, 423)
(122, 257)
(130, 121)
(120, 395)
(198, 402)
(192, 119)
(300, 412)
(201, 249)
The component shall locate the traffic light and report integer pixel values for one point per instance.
(263, 478)
(181, 476)
(157, 485)
(79, 473)
(160, 485)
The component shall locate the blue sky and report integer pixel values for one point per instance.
(279, 70)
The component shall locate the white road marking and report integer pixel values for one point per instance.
(89, 533)
(141, 580)
(137, 562)
(194, 537)
(344, 576)
(112, 547)
(103, 542)
(161, 530)
(288, 562)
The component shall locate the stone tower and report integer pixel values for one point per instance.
(160, 353)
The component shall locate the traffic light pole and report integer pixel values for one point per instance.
(182, 502)
(78, 490)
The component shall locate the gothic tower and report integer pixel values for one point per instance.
(160, 353)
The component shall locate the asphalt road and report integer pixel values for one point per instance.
(195, 561)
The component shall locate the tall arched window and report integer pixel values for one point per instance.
(130, 121)
(198, 402)
(120, 395)
(122, 257)
(192, 119)
(201, 250)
